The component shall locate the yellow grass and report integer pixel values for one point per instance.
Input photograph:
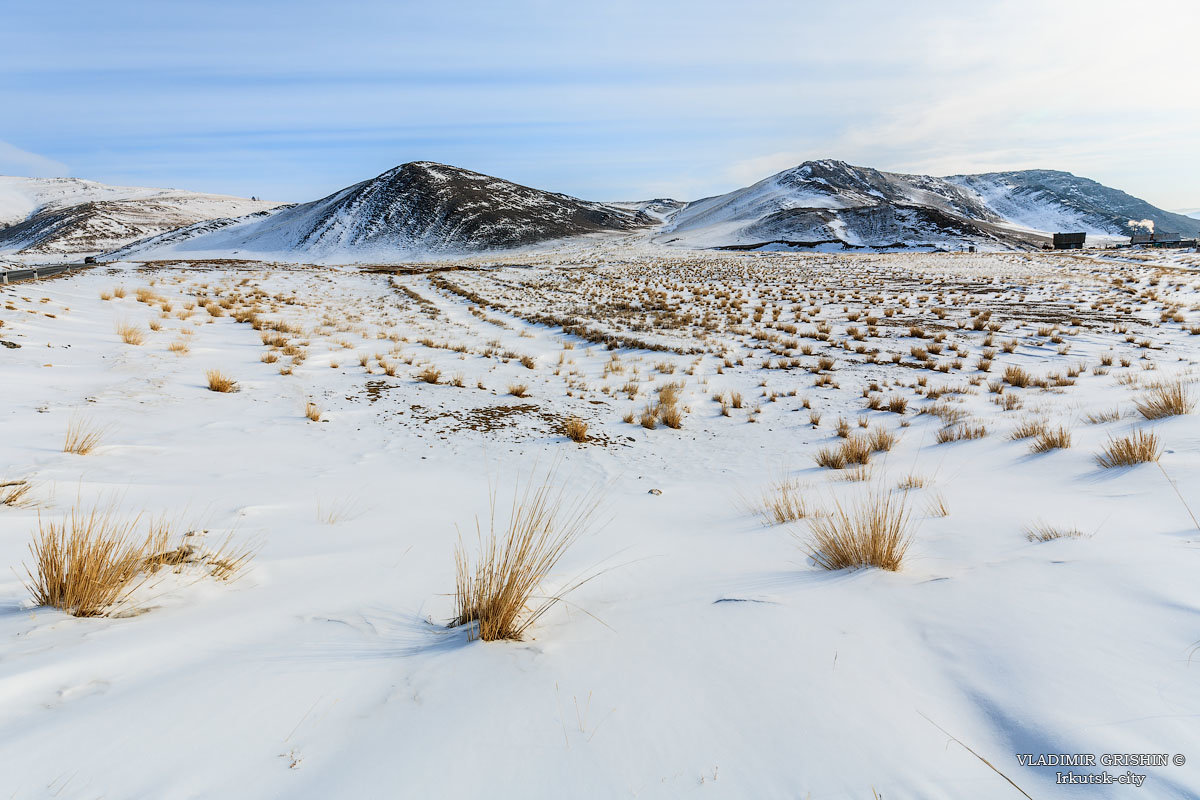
(518, 390)
(15, 494)
(312, 412)
(1040, 532)
(781, 502)
(576, 429)
(86, 563)
(219, 382)
(1051, 439)
(1165, 400)
(873, 531)
(501, 590)
(1137, 448)
(130, 334)
(1015, 376)
(82, 437)
(430, 374)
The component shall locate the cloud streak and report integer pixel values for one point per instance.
(605, 100)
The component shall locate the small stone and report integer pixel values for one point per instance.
(655, 491)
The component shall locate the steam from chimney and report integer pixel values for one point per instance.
(1148, 224)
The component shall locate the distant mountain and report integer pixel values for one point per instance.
(834, 204)
(1194, 213)
(68, 215)
(413, 209)
(1050, 200)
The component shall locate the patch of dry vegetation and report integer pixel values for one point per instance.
(15, 494)
(872, 531)
(83, 436)
(1139, 447)
(220, 382)
(781, 502)
(576, 429)
(130, 334)
(1165, 400)
(500, 591)
(1041, 532)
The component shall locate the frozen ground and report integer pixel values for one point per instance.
(710, 657)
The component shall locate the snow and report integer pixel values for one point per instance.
(709, 657)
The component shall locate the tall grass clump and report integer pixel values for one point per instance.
(82, 437)
(576, 429)
(85, 563)
(1165, 400)
(1137, 448)
(873, 531)
(500, 591)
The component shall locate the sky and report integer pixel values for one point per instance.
(617, 100)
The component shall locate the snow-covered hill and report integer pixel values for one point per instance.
(1194, 213)
(1050, 200)
(834, 203)
(69, 215)
(411, 210)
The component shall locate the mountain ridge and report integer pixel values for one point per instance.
(415, 208)
(73, 216)
(423, 208)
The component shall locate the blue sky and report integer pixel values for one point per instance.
(616, 100)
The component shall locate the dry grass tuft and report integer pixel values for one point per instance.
(130, 334)
(1102, 417)
(1042, 532)
(15, 494)
(781, 502)
(830, 458)
(1137, 448)
(881, 441)
(83, 436)
(959, 432)
(576, 429)
(1015, 376)
(1027, 428)
(499, 591)
(220, 382)
(1165, 400)
(518, 390)
(85, 563)
(1052, 439)
(875, 531)
(312, 411)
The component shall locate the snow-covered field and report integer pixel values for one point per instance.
(710, 655)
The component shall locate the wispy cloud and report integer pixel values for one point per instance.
(621, 99)
(15, 161)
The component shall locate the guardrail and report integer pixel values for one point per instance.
(35, 273)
